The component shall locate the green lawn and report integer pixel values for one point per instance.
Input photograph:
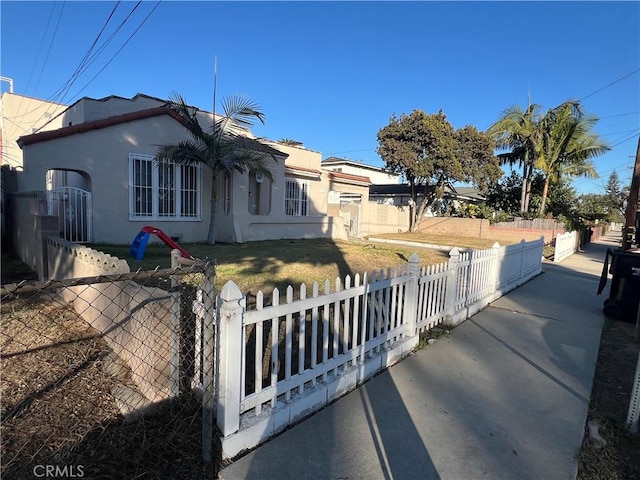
(278, 263)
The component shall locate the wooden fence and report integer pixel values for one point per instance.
(280, 362)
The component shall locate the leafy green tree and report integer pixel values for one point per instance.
(504, 195)
(562, 199)
(519, 132)
(568, 145)
(615, 196)
(222, 147)
(430, 154)
(592, 207)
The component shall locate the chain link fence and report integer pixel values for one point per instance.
(110, 377)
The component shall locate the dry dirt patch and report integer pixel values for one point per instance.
(617, 359)
(57, 407)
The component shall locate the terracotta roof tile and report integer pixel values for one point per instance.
(304, 169)
(129, 117)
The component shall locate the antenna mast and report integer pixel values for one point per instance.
(215, 85)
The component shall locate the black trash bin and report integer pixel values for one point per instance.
(624, 295)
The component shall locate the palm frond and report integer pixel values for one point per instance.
(187, 152)
(188, 114)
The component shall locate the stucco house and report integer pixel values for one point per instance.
(376, 175)
(102, 180)
(400, 196)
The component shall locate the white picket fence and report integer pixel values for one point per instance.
(278, 363)
(565, 246)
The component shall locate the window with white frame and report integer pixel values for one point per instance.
(296, 199)
(163, 190)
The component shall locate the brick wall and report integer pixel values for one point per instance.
(482, 228)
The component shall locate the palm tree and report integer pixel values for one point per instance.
(224, 147)
(568, 145)
(518, 130)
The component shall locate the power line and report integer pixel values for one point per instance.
(53, 37)
(619, 115)
(44, 35)
(64, 89)
(120, 49)
(88, 58)
(578, 181)
(610, 84)
(108, 40)
(60, 92)
(625, 140)
(38, 54)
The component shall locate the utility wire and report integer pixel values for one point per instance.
(38, 55)
(88, 59)
(64, 89)
(44, 35)
(119, 50)
(53, 37)
(59, 93)
(610, 84)
(108, 41)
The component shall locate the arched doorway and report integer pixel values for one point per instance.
(69, 199)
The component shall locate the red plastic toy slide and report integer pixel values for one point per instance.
(140, 242)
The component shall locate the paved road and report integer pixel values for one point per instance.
(503, 396)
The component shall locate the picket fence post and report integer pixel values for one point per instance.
(451, 286)
(231, 313)
(495, 267)
(411, 299)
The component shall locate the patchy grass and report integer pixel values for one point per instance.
(448, 240)
(263, 266)
(434, 333)
(615, 369)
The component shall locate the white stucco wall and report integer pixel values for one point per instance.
(376, 175)
(21, 115)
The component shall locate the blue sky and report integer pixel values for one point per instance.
(330, 74)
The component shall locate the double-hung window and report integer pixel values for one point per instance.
(296, 200)
(163, 190)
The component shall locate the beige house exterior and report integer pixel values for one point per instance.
(21, 115)
(106, 148)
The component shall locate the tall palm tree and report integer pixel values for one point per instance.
(519, 132)
(568, 145)
(223, 147)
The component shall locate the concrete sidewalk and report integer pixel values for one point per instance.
(503, 396)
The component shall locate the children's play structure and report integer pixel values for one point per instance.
(139, 243)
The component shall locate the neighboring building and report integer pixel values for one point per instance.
(400, 195)
(21, 115)
(103, 182)
(348, 198)
(376, 175)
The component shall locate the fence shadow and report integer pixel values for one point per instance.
(373, 418)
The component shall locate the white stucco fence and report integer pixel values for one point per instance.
(565, 246)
